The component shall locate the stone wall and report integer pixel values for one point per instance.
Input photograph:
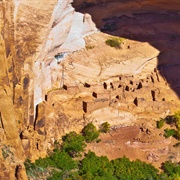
(91, 106)
(143, 93)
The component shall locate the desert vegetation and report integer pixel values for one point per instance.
(90, 132)
(105, 127)
(174, 122)
(70, 161)
(88, 47)
(73, 144)
(115, 42)
(160, 123)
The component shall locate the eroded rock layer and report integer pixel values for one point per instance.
(32, 33)
(57, 73)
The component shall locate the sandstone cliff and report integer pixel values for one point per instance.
(32, 33)
(48, 45)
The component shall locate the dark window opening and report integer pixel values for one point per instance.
(87, 85)
(127, 88)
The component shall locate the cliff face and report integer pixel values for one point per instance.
(11, 159)
(32, 33)
(155, 22)
(43, 30)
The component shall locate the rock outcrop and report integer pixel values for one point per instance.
(49, 45)
(50, 28)
(31, 34)
(155, 22)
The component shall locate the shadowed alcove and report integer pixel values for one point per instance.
(156, 22)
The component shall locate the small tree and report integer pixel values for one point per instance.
(73, 144)
(171, 168)
(95, 167)
(63, 161)
(177, 134)
(114, 42)
(160, 123)
(90, 132)
(169, 132)
(177, 119)
(105, 127)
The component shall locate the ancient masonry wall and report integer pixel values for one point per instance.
(142, 93)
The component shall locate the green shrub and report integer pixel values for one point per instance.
(73, 144)
(59, 161)
(170, 120)
(44, 162)
(174, 119)
(177, 119)
(56, 175)
(160, 123)
(105, 127)
(125, 169)
(169, 132)
(171, 169)
(177, 134)
(63, 161)
(90, 132)
(32, 169)
(95, 167)
(64, 175)
(114, 42)
(89, 47)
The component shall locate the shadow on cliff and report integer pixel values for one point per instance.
(159, 28)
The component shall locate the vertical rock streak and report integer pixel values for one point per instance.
(31, 34)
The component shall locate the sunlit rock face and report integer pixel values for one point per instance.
(68, 28)
(154, 22)
(31, 34)
(41, 31)
(139, 60)
(42, 47)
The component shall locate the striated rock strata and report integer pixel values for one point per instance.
(32, 33)
(51, 54)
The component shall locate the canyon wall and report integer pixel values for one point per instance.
(43, 46)
(43, 30)
(32, 33)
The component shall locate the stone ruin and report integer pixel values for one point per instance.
(128, 91)
(123, 93)
(140, 93)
